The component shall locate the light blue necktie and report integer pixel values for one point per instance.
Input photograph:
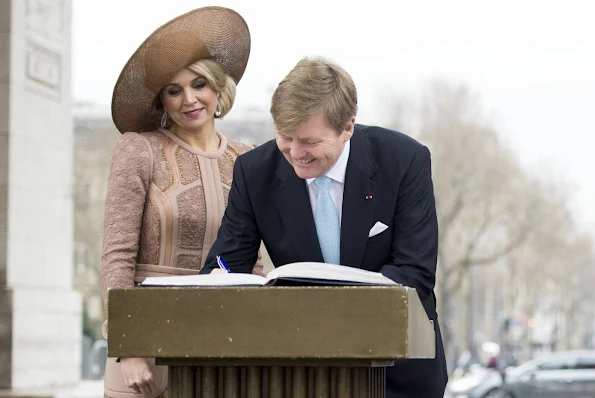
(326, 217)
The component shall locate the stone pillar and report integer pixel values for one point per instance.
(40, 314)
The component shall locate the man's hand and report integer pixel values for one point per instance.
(138, 376)
(218, 271)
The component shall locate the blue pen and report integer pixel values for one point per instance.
(222, 264)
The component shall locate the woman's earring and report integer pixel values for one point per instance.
(218, 110)
(164, 119)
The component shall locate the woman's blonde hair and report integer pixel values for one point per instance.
(223, 85)
(314, 85)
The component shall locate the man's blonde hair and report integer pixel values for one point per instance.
(223, 85)
(314, 85)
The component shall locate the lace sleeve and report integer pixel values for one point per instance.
(258, 266)
(128, 185)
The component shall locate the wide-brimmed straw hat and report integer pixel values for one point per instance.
(209, 32)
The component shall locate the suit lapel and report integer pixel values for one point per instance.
(360, 199)
(293, 205)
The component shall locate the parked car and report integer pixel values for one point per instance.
(478, 382)
(476, 377)
(568, 374)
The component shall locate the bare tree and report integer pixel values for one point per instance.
(487, 205)
(94, 143)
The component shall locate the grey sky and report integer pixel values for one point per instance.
(533, 62)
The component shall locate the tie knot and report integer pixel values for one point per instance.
(323, 183)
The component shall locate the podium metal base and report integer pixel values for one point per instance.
(276, 382)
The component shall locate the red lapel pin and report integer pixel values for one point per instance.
(368, 197)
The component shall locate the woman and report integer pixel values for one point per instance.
(171, 171)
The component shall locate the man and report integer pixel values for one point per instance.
(329, 190)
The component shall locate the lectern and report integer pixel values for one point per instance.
(271, 342)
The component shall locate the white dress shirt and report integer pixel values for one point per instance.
(337, 174)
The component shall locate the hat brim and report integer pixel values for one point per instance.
(209, 32)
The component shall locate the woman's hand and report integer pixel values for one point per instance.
(138, 376)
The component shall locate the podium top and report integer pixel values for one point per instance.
(272, 323)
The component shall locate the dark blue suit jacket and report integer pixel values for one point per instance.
(269, 202)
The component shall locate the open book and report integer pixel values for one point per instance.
(295, 274)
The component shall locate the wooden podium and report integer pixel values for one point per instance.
(271, 342)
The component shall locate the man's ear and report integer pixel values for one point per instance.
(348, 130)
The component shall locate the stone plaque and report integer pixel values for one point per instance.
(43, 70)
